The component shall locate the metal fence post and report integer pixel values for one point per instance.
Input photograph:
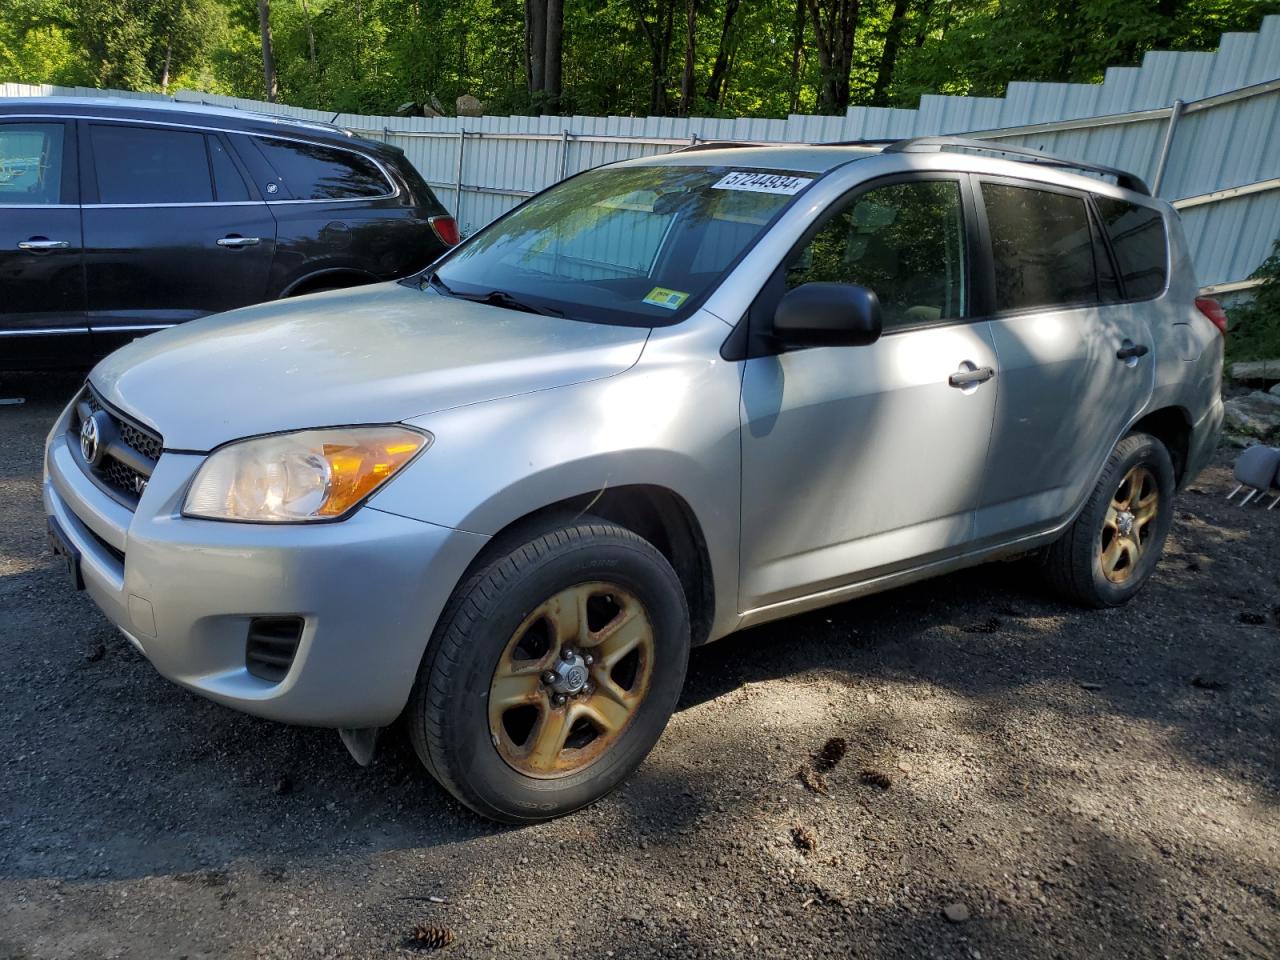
(1162, 162)
(564, 153)
(457, 212)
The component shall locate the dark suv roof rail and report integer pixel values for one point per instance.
(1123, 178)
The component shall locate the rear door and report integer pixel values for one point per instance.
(42, 317)
(337, 210)
(1070, 383)
(172, 229)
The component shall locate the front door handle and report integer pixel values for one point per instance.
(40, 243)
(971, 378)
(234, 241)
(1132, 351)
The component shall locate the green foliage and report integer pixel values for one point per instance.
(1254, 326)
(372, 56)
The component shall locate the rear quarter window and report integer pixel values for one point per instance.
(1138, 240)
(309, 171)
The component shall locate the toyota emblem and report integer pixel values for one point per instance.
(90, 440)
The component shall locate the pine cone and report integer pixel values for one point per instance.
(877, 778)
(430, 938)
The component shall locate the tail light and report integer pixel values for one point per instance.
(1213, 310)
(446, 229)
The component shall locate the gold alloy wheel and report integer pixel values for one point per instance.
(1126, 527)
(571, 679)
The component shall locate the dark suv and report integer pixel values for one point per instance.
(119, 217)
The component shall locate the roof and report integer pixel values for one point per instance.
(137, 106)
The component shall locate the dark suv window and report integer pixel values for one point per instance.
(31, 163)
(150, 165)
(307, 171)
(1041, 246)
(1138, 239)
(904, 241)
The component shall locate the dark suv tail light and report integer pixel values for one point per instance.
(1213, 310)
(271, 646)
(446, 229)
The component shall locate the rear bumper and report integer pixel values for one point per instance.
(369, 590)
(1203, 442)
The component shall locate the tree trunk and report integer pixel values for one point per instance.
(834, 24)
(889, 55)
(311, 34)
(553, 63)
(690, 51)
(168, 61)
(715, 85)
(925, 11)
(268, 55)
(797, 49)
(658, 34)
(536, 44)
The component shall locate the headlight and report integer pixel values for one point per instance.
(310, 475)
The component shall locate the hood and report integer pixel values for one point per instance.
(376, 354)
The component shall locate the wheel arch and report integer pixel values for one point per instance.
(328, 278)
(1171, 426)
(654, 512)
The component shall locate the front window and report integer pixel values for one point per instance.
(638, 245)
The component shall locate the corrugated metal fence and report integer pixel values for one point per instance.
(1202, 128)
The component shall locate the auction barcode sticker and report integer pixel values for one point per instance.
(761, 182)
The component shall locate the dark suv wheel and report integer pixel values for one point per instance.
(552, 672)
(1112, 548)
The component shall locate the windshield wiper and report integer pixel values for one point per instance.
(500, 298)
(494, 298)
(433, 279)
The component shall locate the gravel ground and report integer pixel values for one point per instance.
(1021, 779)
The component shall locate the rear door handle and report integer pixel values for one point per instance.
(40, 243)
(1132, 351)
(971, 378)
(239, 241)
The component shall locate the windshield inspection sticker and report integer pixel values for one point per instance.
(662, 297)
(761, 182)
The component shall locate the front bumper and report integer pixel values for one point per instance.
(369, 590)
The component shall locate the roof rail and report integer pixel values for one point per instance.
(1128, 181)
(720, 145)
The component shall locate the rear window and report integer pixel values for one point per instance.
(31, 163)
(150, 165)
(1041, 246)
(1138, 240)
(307, 171)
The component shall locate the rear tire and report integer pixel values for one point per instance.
(484, 717)
(1111, 549)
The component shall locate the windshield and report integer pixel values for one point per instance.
(640, 246)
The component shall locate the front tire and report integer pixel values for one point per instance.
(552, 672)
(1111, 549)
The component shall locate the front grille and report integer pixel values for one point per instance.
(130, 450)
(272, 644)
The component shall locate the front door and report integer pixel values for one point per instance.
(1068, 388)
(857, 461)
(42, 319)
(171, 230)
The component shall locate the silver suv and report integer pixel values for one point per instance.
(661, 401)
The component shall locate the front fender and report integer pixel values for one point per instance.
(663, 423)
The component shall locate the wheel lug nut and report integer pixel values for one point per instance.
(549, 678)
(588, 659)
(560, 699)
(566, 653)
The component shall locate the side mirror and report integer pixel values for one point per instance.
(828, 315)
